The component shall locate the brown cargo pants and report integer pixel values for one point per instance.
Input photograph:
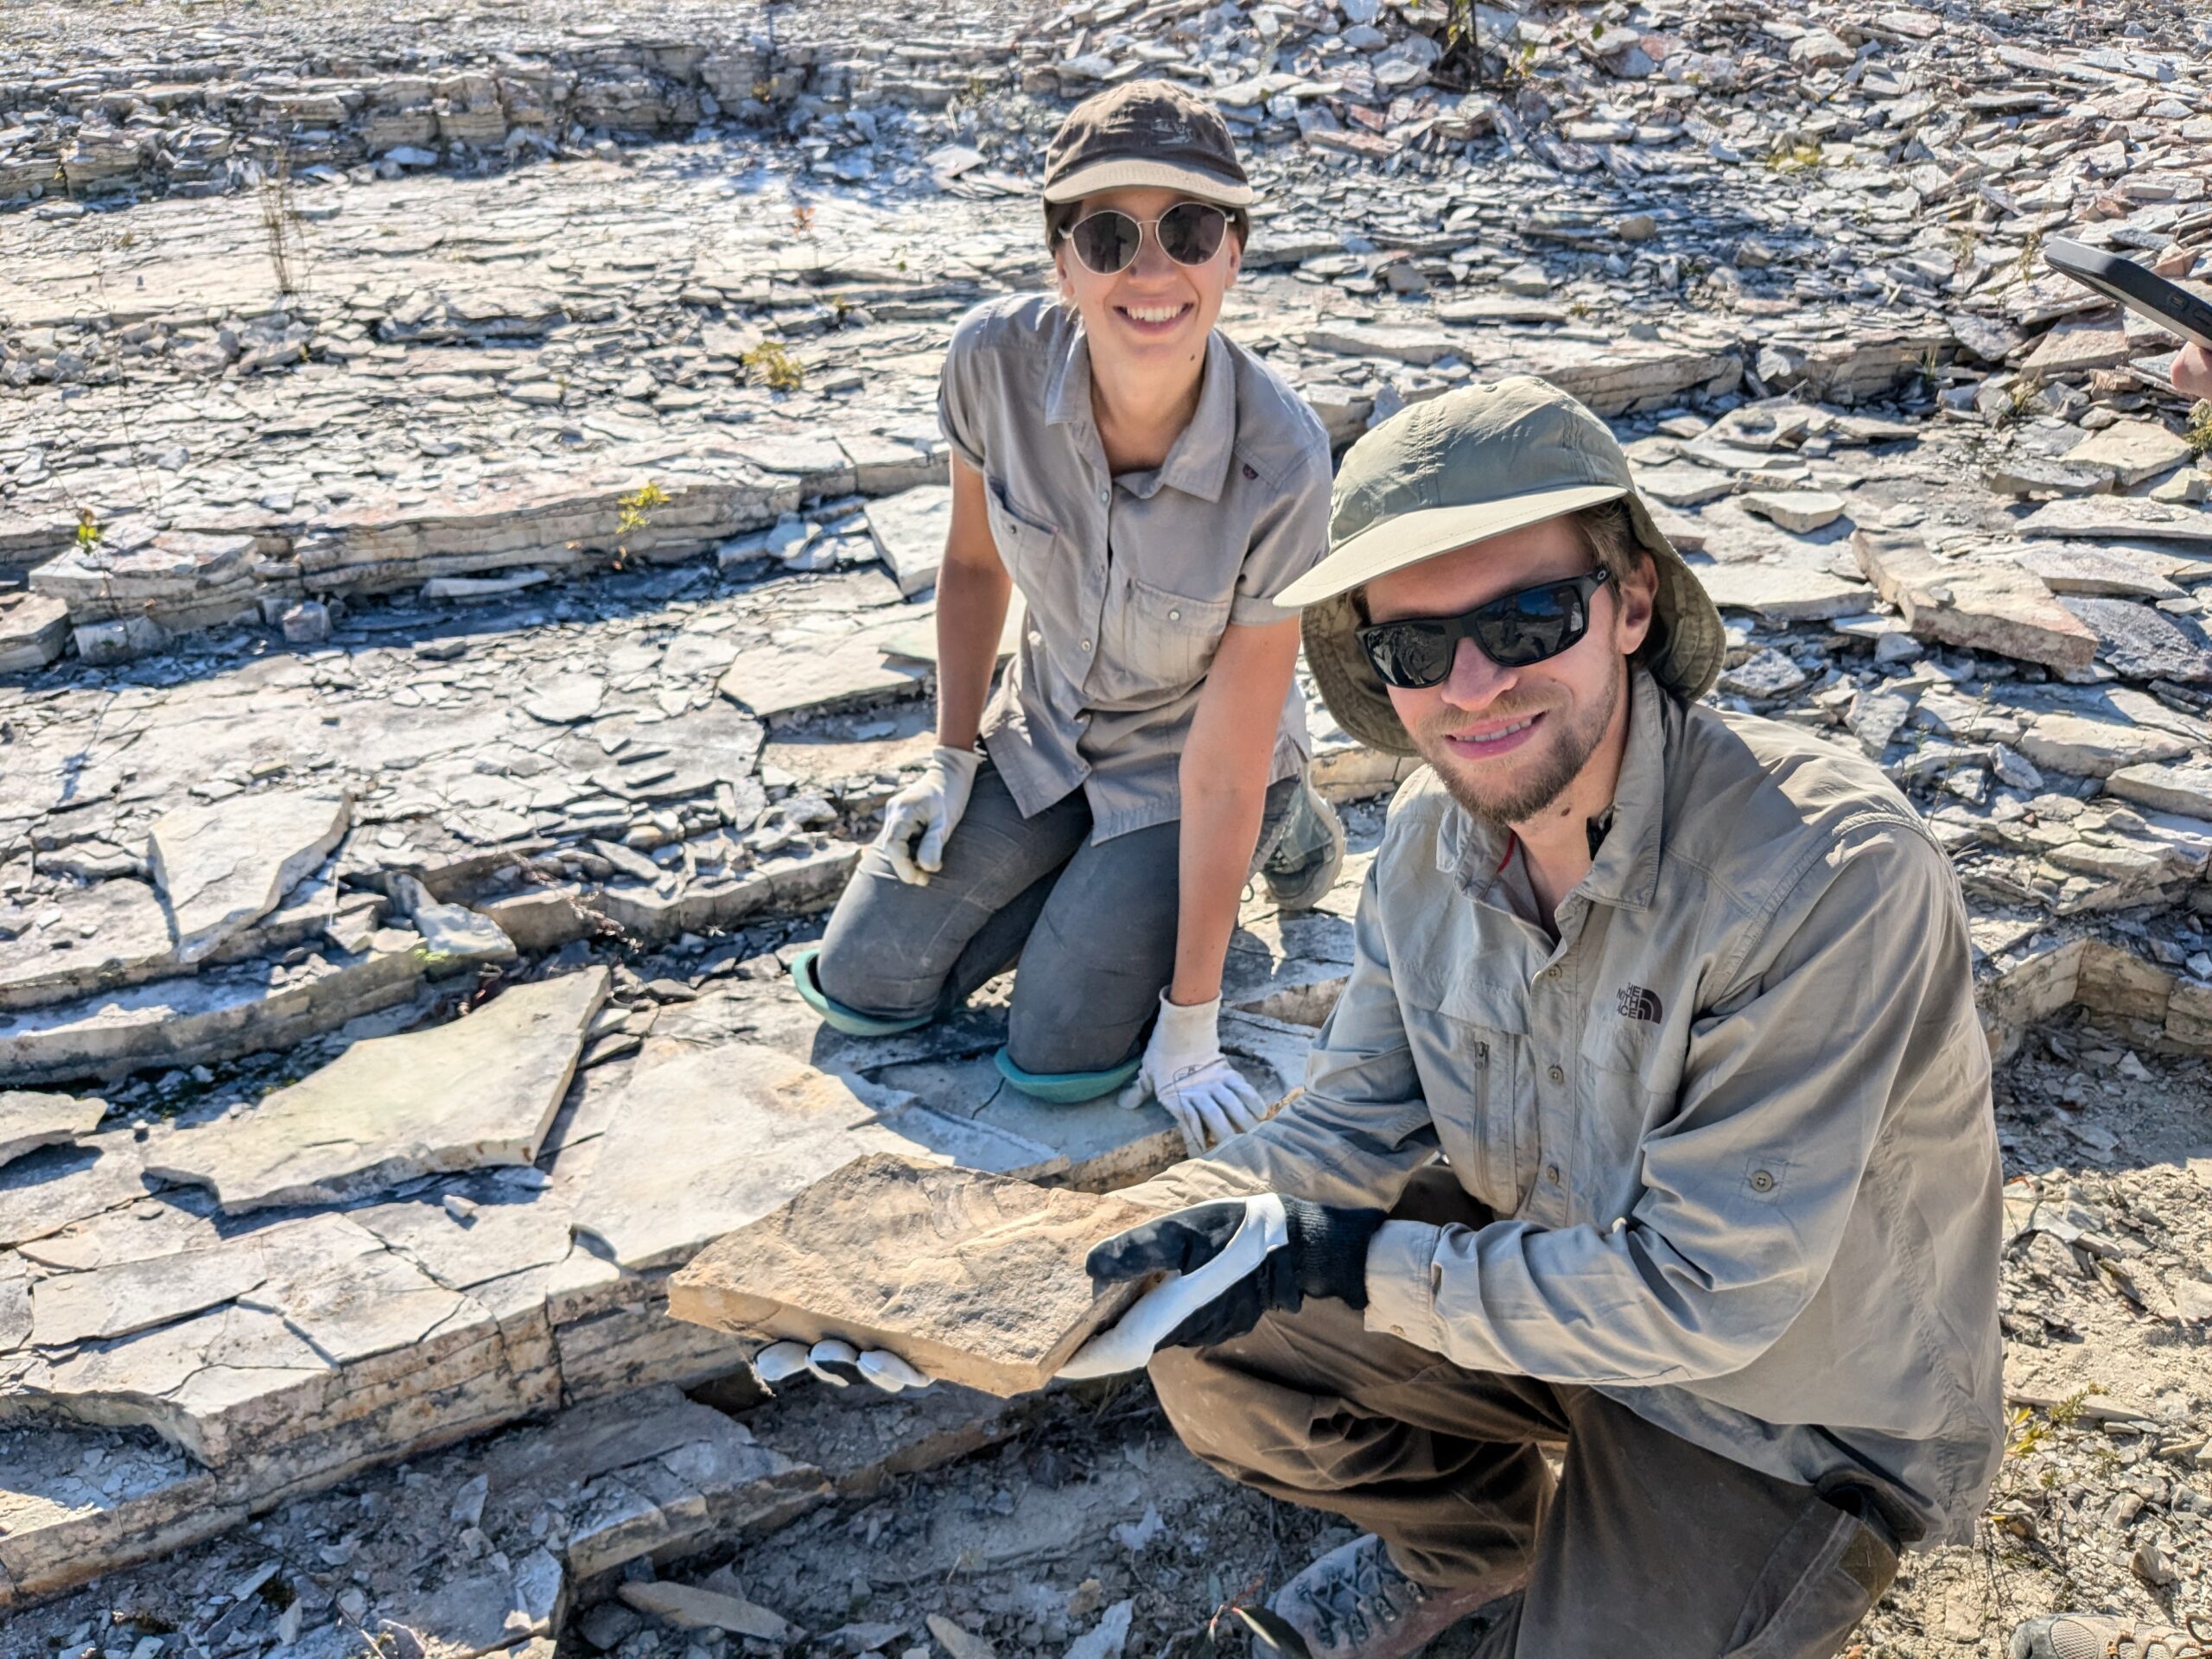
(1647, 1544)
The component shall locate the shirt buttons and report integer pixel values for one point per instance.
(1086, 644)
(1762, 1181)
(1551, 1173)
(1174, 616)
(1106, 494)
(1556, 1075)
(1551, 973)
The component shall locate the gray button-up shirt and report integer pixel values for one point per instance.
(1734, 1124)
(1129, 581)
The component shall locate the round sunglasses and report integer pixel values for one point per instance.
(1513, 631)
(1107, 241)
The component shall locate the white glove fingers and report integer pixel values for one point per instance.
(828, 1352)
(930, 855)
(1215, 1120)
(890, 1373)
(779, 1360)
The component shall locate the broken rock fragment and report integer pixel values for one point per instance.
(221, 866)
(29, 1120)
(975, 1278)
(1988, 605)
(479, 1090)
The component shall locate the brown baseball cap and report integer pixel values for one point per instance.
(1145, 135)
(1474, 463)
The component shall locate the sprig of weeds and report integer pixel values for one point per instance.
(637, 512)
(1794, 158)
(88, 528)
(2200, 429)
(770, 364)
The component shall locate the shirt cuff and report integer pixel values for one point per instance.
(1254, 612)
(1401, 1283)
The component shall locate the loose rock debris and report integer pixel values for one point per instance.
(476, 475)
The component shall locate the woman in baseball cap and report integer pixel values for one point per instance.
(1147, 487)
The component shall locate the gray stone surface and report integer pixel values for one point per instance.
(30, 1120)
(220, 868)
(476, 1091)
(2144, 644)
(910, 529)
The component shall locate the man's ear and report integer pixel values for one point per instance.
(1636, 602)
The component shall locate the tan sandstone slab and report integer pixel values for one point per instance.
(2184, 786)
(222, 866)
(30, 1119)
(1985, 604)
(478, 1090)
(975, 1278)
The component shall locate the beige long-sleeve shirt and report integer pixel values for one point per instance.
(1735, 1122)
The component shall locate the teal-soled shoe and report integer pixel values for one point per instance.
(1067, 1088)
(851, 1021)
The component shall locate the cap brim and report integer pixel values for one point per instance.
(1685, 652)
(1150, 176)
(1409, 538)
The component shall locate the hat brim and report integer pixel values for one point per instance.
(1684, 652)
(1137, 175)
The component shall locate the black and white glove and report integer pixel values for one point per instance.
(1230, 1261)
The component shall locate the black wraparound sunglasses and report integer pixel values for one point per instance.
(1190, 234)
(1514, 631)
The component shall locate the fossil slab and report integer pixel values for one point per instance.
(974, 1279)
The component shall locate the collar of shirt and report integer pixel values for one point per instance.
(1198, 463)
(1626, 872)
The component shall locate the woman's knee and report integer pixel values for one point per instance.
(869, 961)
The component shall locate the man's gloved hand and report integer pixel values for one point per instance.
(837, 1364)
(930, 809)
(1184, 1070)
(1231, 1261)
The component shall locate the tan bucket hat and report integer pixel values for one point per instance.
(1471, 464)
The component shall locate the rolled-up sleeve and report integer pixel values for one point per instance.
(1361, 1126)
(1747, 1188)
(1289, 538)
(960, 389)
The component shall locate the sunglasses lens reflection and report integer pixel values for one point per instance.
(1106, 242)
(1190, 232)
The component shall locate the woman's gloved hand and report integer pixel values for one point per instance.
(1229, 1261)
(1185, 1070)
(918, 818)
(837, 1364)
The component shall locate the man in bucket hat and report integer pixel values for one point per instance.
(1684, 1000)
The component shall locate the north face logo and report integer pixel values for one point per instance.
(1637, 1003)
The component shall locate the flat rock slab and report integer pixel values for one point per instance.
(821, 665)
(1781, 592)
(2120, 517)
(709, 1139)
(2066, 568)
(1987, 604)
(475, 1092)
(910, 529)
(2184, 787)
(114, 931)
(2131, 451)
(29, 1120)
(975, 1278)
(2096, 748)
(222, 866)
(2145, 644)
(1800, 512)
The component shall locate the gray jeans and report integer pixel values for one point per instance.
(1092, 925)
(1647, 1544)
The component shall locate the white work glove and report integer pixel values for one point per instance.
(837, 1364)
(1185, 1070)
(929, 808)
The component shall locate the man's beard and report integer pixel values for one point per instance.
(1568, 750)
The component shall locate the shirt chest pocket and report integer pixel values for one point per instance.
(1473, 1061)
(1024, 539)
(1156, 643)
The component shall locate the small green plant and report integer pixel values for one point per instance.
(2068, 1411)
(1931, 368)
(637, 507)
(88, 528)
(772, 365)
(2026, 1433)
(1794, 158)
(2200, 429)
